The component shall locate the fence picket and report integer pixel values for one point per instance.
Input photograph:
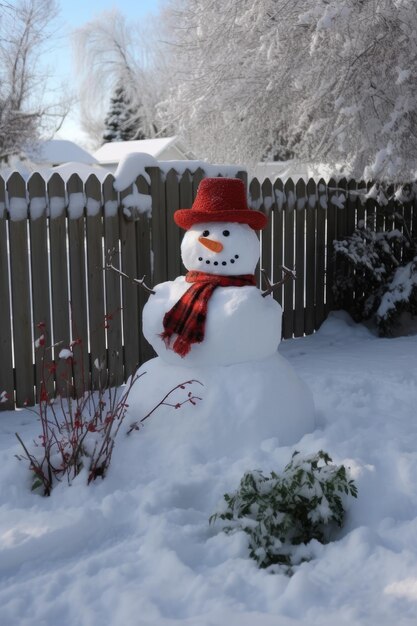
(341, 222)
(360, 205)
(351, 206)
(350, 223)
(130, 296)
(186, 198)
(95, 264)
(173, 232)
(21, 296)
(38, 228)
(289, 206)
(299, 285)
(321, 254)
(59, 280)
(7, 384)
(310, 255)
(255, 202)
(78, 282)
(112, 284)
(277, 234)
(159, 232)
(408, 208)
(266, 234)
(144, 267)
(197, 178)
(332, 196)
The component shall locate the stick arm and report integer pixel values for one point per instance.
(136, 281)
(270, 287)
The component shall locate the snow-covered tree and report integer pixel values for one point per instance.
(25, 26)
(331, 80)
(113, 55)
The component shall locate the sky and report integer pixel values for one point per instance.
(74, 14)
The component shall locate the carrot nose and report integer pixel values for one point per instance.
(215, 246)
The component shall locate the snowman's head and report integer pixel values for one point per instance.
(225, 248)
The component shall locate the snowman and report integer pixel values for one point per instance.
(214, 326)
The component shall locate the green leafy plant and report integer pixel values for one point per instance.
(279, 512)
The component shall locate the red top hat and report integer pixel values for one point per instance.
(220, 200)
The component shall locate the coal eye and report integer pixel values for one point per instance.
(206, 233)
(226, 233)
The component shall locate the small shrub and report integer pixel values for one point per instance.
(280, 512)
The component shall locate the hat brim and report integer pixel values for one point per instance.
(185, 218)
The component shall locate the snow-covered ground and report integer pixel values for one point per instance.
(136, 548)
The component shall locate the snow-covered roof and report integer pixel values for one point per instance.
(58, 151)
(115, 151)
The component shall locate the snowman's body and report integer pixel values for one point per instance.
(241, 325)
(249, 392)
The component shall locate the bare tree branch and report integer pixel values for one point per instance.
(25, 26)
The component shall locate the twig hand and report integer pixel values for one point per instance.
(135, 281)
(287, 274)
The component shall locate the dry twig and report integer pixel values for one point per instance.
(136, 281)
(271, 286)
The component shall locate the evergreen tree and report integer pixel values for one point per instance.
(123, 121)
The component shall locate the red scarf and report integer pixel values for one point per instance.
(187, 318)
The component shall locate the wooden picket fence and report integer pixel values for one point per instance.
(53, 244)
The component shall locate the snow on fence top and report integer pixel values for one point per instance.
(78, 188)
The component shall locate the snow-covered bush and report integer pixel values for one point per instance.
(279, 512)
(378, 278)
(400, 297)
